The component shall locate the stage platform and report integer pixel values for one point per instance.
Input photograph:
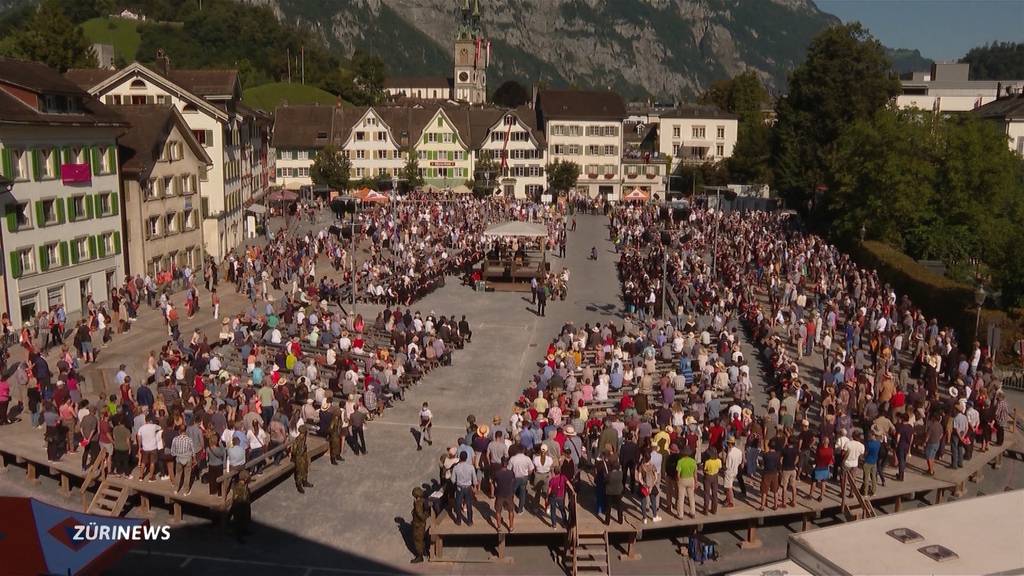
(22, 445)
(746, 513)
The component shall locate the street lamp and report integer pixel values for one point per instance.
(979, 299)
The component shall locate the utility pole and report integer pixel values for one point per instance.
(352, 242)
(302, 51)
(289, 58)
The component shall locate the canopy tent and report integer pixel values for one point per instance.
(257, 208)
(367, 195)
(636, 195)
(283, 196)
(461, 189)
(517, 229)
(37, 538)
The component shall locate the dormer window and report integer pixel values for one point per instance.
(58, 104)
(138, 84)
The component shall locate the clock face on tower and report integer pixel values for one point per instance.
(463, 77)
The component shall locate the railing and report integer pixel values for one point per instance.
(226, 478)
(865, 504)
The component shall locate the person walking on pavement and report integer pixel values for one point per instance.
(542, 299)
(357, 423)
(533, 290)
(426, 423)
(300, 457)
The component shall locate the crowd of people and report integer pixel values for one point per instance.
(664, 408)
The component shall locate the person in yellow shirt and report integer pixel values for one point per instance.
(661, 440)
(712, 467)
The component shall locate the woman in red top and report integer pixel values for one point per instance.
(823, 460)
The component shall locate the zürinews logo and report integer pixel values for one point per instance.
(93, 532)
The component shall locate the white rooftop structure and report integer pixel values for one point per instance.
(984, 534)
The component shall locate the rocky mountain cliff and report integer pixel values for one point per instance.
(661, 48)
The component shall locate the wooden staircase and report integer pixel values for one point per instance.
(591, 554)
(109, 499)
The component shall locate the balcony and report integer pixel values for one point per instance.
(642, 157)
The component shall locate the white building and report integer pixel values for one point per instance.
(235, 137)
(419, 87)
(300, 132)
(695, 134)
(366, 138)
(585, 127)
(948, 88)
(1008, 111)
(62, 235)
(515, 137)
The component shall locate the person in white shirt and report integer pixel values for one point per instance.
(521, 466)
(733, 460)
(853, 453)
(601, 390)
(149, 445)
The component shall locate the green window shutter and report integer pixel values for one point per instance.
(117, 242)
(72, 215)
(112, 159)
(101, 247)
(90, 207)
(114, 206)
(96, 205)
(75, 256)
(92, 247)
(59, 203)
(12, 217)
(451, 155)
(64, 253)
(55, 160)
(37, 165)
(7, 162)
(15, 268)
(44, 264)
(205, 204)
(65, 154)
(40, 217)
(94, 154)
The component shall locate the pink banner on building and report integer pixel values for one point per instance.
(75, 173)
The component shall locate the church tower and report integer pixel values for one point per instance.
(472, 55)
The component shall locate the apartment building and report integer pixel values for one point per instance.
(516, 144)
(299, 133)
(62, 236)
(585, 127)
(366, 138)
(947, 87)
(694, 134)
(235, 137)
(160, 166)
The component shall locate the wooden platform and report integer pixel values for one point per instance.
(22, 445)
(748, 512)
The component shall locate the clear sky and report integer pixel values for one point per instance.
(940, 29)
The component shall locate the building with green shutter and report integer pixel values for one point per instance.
(62, 231)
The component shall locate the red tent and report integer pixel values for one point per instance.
(37, 538)
(636, 195)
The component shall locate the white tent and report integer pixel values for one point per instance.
(517, 229)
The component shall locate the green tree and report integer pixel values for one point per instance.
(510, 94)
(367, 80)
(996, 61)
(845, 78)
(52, 38)
(331, 169)
(411, 171)
(485, 177)
(745, 96)
(562, 176)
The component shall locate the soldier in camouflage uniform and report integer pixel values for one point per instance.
(420, 514)
(241, 505)
(334, 436)
(300, 456)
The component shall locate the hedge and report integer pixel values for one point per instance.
(940, 297)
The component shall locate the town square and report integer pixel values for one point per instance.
(498, 320)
